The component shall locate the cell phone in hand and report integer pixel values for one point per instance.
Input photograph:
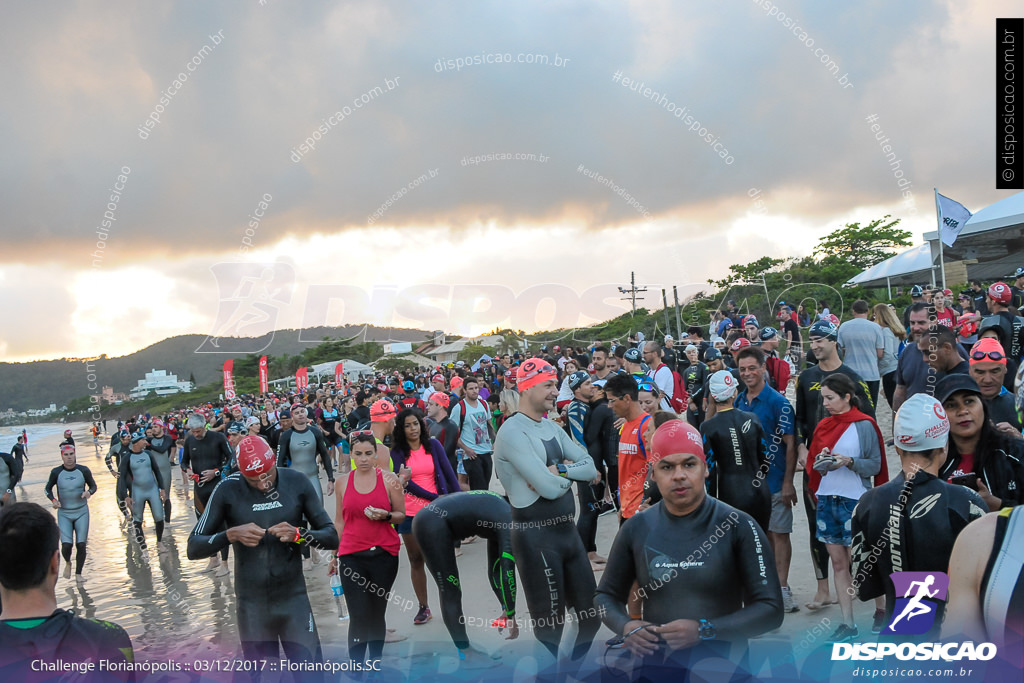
(968, 480)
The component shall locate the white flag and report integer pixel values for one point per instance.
(952, 218)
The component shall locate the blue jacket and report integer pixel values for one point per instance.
(444, 477)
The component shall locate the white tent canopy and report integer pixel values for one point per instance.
(991, 242)
(907, 267)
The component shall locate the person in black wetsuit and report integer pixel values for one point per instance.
(75, 485)
(705, 569)
(736, 454)
(537, 462)
(459, 515)
(119, 450)
(33, 631)
(910, 523)
(10, 474)
(162, 446)
(259, 511)
(205, 455)
(140, 482)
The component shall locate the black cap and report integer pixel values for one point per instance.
(950, 384)
(577, 379)
(916, 291)
(284, 413)
(767, 333)
(632, 355)
(824, 328)
(712, 354)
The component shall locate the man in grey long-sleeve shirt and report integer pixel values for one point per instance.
(536, 462)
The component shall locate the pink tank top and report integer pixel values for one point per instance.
(360, 532)
(422, 466)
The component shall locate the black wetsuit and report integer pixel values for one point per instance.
(140, 480)
(73, 513)
(271, 591)
(163, 449)
(1001, 594)
(63, 637)
(113, 462)
(212, 452)
(908, 526)
(714, 564)
(737, 457)
(695, 375)
(18, 451)
(10, 474)
(810, 410)
(440, 524)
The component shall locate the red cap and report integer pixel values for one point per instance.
(986, 346)
(677, 436)
(510, 375)
(440, 398)
(382, 410)
(255, 456)
(66, 448)
(834, 319)
(947, 292)
(533, 372)
(456, 382)
(437, 378)
(966, 325)
(67, 432)
(1000, 291)
(739, 344)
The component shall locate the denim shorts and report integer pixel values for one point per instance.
(834, 519)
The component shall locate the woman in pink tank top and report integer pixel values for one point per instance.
(368, 552)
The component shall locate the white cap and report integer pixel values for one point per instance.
(669, 337)
(690, 347)
(921, 424)
(722, 385)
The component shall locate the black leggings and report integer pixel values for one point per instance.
(478, 470)
(65, 550)
(819, 553)
(437, 543)
(555, 573)
(202, 495)
(367, 578)
(888, 388)
(590, 509)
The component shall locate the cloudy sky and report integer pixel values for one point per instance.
(384, 219)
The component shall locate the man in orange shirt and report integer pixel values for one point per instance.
(622, 398)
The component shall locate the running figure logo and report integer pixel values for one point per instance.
(250, 297)
(914, 613)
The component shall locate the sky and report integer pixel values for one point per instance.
(232, 168)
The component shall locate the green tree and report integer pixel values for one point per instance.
(389, 364)
(472, 352)
(862, 246)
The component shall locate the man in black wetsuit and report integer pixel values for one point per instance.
(259, 511)
(10, 474)
(33, 631)
(444, 521)
(205, 454)
(18, 451)
(736, 453)
(909, 524)
(162, 446)
(705, 569)
(117, 452)
(283, 425)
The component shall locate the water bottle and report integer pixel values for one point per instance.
(339, 595)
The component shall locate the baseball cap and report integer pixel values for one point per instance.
(739, 344)
(440, 398)
(533, 372)
(577, 379)
(382, 410)
(722, 385)
(921, 424)
(1000, 291)
(632, 355)
(284, 414)
(255, 456)
(677, 436)
(950, 384)
(407, 385)
(712, 354)
(916, 291)
(767, 333)
(984, 349)
(599, 383)
(824, 328)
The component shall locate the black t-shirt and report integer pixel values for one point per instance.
(359, 416)
(791, 331)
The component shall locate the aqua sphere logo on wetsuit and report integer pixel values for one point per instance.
(914, 614)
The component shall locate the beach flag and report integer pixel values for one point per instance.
(264, 378)
(952, 218)
(229, 382)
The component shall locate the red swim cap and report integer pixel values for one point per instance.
(532, 372)
(255, 456)
(382, 410)
(739, 344)
(677, 436)
(440, 398)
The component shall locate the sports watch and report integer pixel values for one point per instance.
(706, 630)
(563, 471)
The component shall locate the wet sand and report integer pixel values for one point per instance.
(173, 610)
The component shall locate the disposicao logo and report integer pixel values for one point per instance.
(914, 614)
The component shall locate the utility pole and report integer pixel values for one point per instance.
(632, 291)
(679, 324)
(664, 302)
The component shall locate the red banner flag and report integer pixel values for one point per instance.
(339, 376)
(301, 379)
(229, 382)
(264, 379)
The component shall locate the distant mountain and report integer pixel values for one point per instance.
(38, 383)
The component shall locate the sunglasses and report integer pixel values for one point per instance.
(645, 386)
(992, 355)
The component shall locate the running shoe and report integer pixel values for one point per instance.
(844, 634)
(788, 603)
(422, 617)
(878, 621)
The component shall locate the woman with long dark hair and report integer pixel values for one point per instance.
(425, 474)
(977, 448)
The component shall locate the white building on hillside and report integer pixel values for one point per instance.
(160, 382)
